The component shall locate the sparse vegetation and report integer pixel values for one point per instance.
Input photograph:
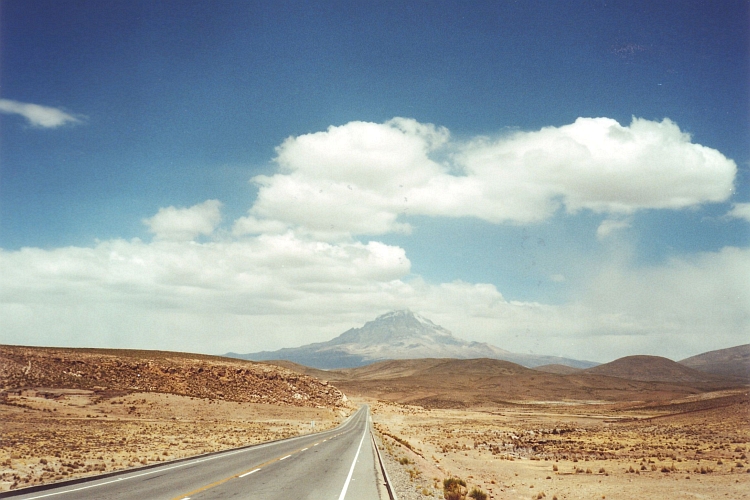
(55, 433)
(477, 494)
(454, 488)
(604, 452)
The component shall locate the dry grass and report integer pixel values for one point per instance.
(52, 435)
(581, 451)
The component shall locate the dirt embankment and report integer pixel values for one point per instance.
(66, 413)
(169, 373)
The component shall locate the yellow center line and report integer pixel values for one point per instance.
(244, 473)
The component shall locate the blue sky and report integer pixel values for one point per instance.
(168, 172)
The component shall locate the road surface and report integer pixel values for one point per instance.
(338, 464)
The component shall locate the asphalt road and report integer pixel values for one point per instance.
(333, 465)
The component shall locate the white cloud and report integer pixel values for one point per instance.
(293, 274)
(37, 115)
(608, 226)
(185, 224)
(692, 303)
(251, 225)
(740, 211)
(272, 291)
(258, 292)
(359, 178)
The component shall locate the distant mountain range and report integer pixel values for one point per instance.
(399, 335)
(459, 383)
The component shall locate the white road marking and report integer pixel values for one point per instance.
(284, 458)
(304, 449)
(248, 473)
(351, 470)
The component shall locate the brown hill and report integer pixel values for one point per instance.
(184, 374)
(482, 367)
(457, 383)
(558, 369)
(655, 369)
(731, 362)
(306, 370)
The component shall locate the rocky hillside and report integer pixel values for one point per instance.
(193, 375)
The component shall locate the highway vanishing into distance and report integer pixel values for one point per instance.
(337, 464)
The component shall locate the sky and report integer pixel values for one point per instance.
(551, 177)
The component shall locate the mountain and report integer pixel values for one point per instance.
(398, 335)
(731, 362)
(654, 369)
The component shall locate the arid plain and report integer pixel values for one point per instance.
(640, 427)
(569, 451)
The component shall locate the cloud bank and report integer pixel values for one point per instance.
(37, 115)
(272, 291)
(293, 271)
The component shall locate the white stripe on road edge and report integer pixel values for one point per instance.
(351, 470)
(248, 473)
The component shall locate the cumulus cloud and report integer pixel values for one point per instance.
(185, 224)
(170, 294)
(608, 226)
(291, 273)
(37, 115)
(361, 178)
(251, 225)
(740, 211)
(278, 290)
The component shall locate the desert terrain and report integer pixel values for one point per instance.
(574, 451)
(638, 427)
(67, 413)
(517, 433)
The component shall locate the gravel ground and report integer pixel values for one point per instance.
(405, 487)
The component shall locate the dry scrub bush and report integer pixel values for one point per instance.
(454, 489)
(477, 494)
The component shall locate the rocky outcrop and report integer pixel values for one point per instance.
(198, 376)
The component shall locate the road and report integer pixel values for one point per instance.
(338, 464)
